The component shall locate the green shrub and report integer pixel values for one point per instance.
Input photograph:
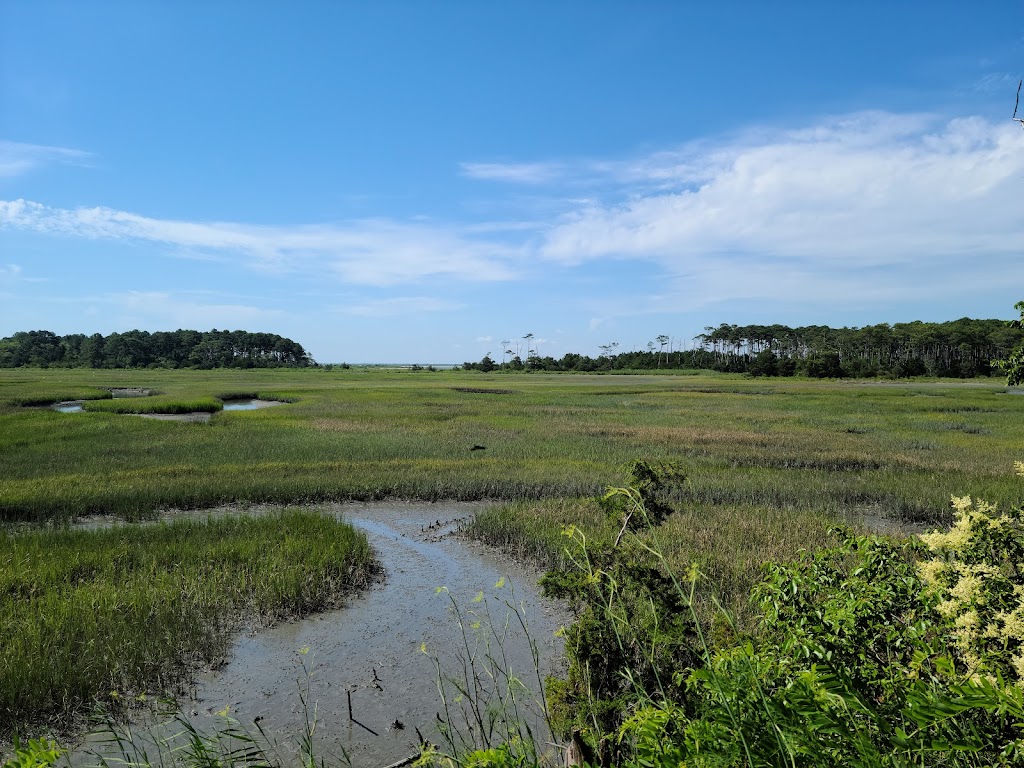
(870, 652)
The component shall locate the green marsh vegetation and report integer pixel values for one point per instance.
(769, 465)
(888, 449)
(111, 615)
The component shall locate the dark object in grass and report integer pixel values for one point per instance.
(478, 448)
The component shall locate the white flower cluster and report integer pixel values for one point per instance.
(980, 585)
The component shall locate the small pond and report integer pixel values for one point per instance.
(72, 406)
(249, 405)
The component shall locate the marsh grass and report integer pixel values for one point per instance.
(116, 613)
(353, 434)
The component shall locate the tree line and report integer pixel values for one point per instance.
(961, 348)
(142, 349)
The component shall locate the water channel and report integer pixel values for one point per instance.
(371, 653)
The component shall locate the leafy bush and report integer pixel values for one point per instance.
(871, 652)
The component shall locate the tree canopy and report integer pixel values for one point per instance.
(163, 349)
(959, 348)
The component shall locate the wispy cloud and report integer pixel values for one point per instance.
(517, 173)
(396, 306)
(375, 252)
(17, 159)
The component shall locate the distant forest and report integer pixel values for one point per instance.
(960, 348)
(141, 349)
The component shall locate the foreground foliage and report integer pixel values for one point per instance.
(109, 615)
(869, 652)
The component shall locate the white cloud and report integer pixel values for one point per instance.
(399, 305)
(870, 207)
(17, 159)
(375, 252)
(869, 190)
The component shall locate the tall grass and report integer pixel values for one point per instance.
(111, 614)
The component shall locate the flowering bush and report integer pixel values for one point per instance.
(977, 574)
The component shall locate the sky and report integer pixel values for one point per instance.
(429, 182)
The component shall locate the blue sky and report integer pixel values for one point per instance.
(418, 181)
